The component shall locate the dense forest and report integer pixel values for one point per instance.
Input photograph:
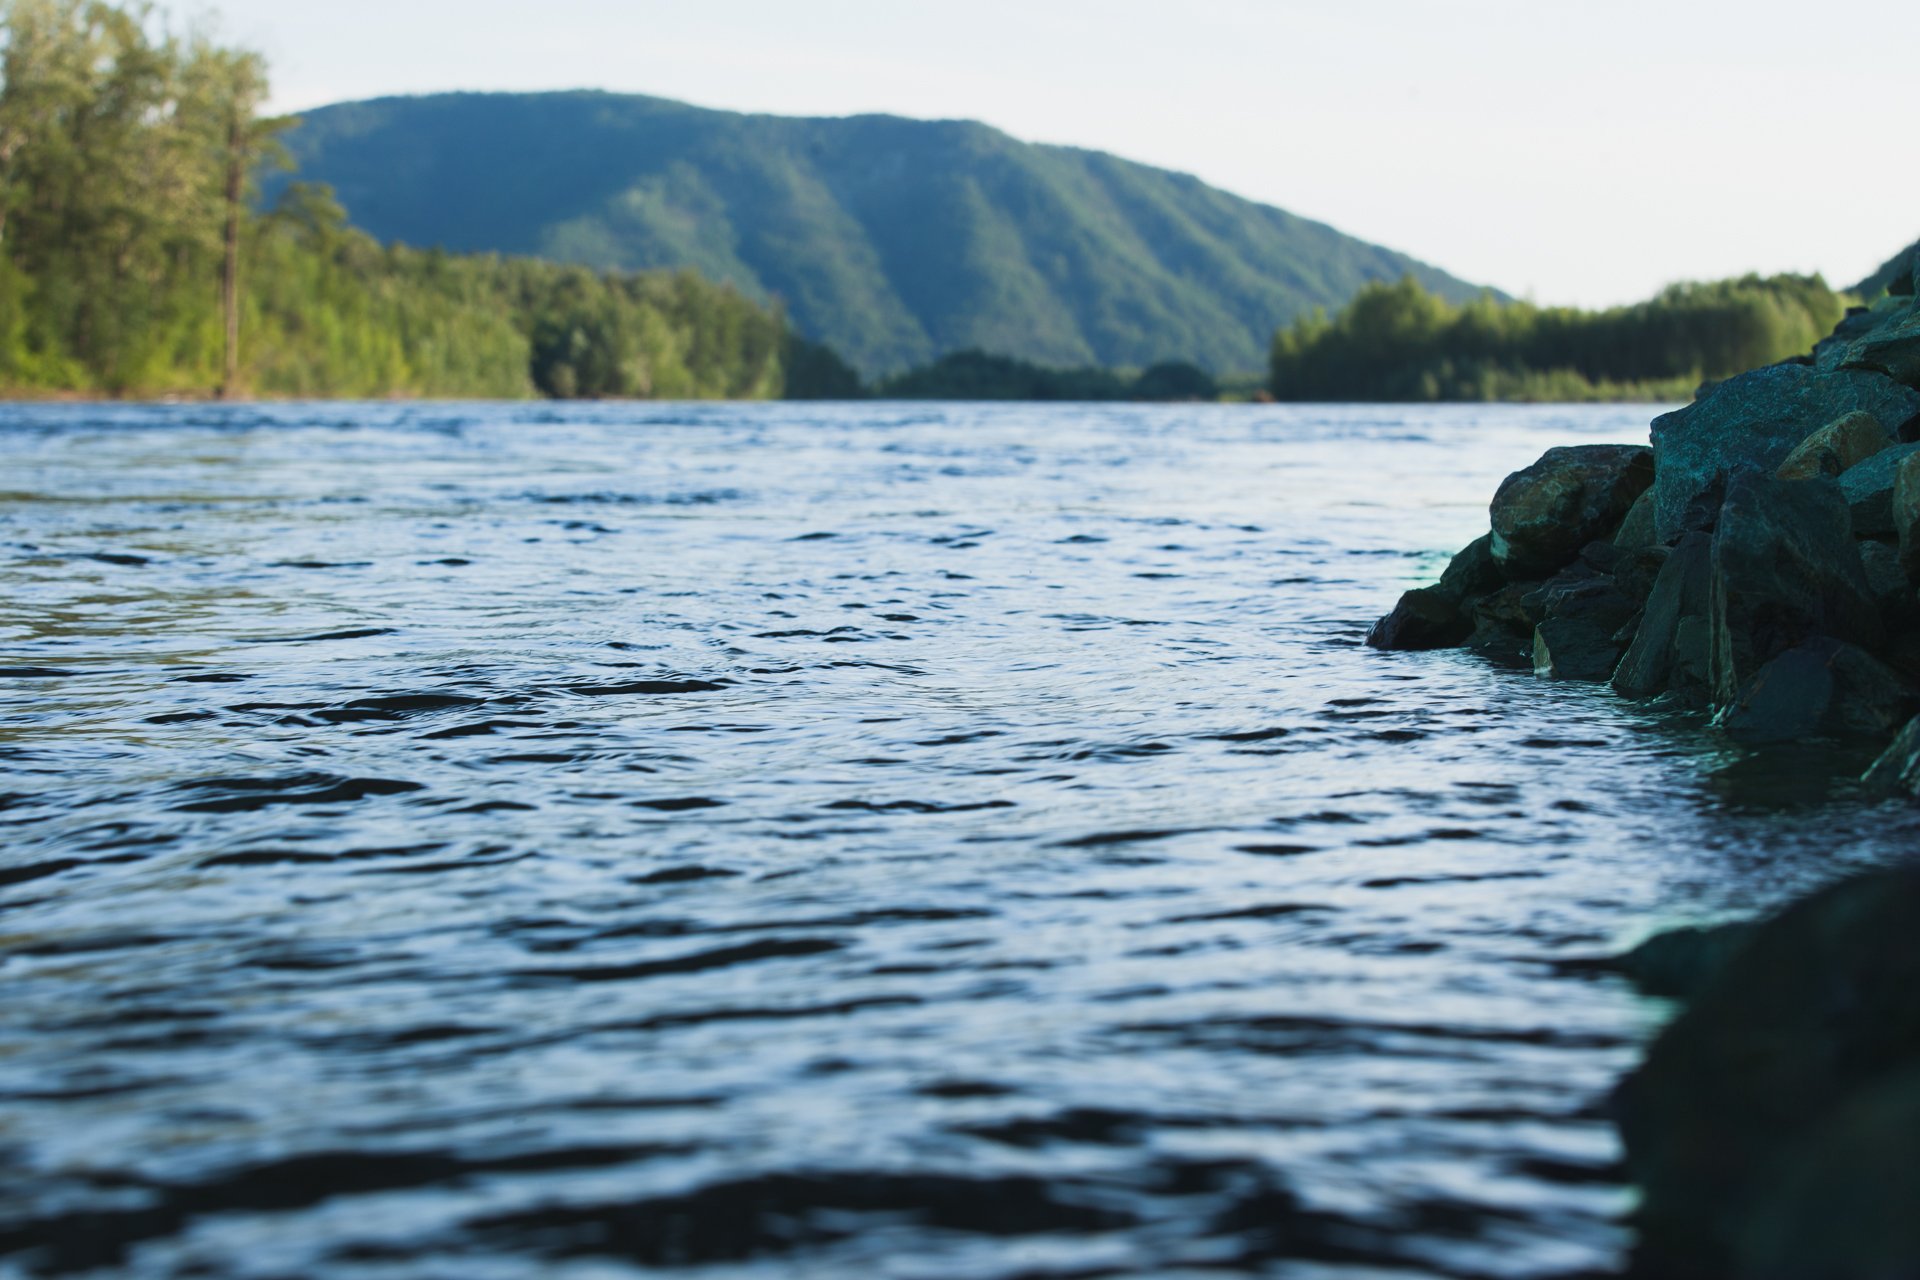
(894, 241)
(133, 259)
(1400, 342)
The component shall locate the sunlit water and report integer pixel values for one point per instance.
(931, 842)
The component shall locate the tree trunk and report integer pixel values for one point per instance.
(230, 268)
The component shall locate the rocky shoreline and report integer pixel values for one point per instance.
(1757, 563)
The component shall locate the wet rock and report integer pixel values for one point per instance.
(1677, 964)
(1473, 572)
(1544, 515)
(1868, 489)
(1766, 1078)
(1581, 615)
(1839, 446)
(1821, 689)
(1897, 771)
(1425, 618)
(1669, 652)
(1785, 571)
(1757, 420)
(1504, 622)
(1844, 1209)
(1437, 617)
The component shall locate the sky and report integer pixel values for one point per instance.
(1586, 152)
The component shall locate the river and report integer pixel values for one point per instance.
(910, 841)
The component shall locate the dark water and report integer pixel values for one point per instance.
(765, 842)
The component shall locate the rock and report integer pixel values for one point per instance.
(1425, 618)
(1821, 689)
(1785, 571)
(1473, 572)
(1897, 771)
(1868, 489)
(1756, 420)
(1581, 614)
(1752, 1087)
(1503, 624)
(1906, 513)
(1637, 532)
(1544, 515)
(1831, 351)
(1893, 350)
(1839, 446)
(1668, 654)
(1844, 1208)
(1438, 617)
(1677, 964)
(1892, 593)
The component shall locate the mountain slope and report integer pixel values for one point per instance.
(892, 240)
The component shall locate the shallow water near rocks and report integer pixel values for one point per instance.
(766, 841)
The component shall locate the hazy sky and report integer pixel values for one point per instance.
(1583, 151)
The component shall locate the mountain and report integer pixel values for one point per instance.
(1898, 267)
(892, 240)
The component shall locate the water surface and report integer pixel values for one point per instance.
(776, 841)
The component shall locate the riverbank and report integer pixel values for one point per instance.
(1756, 563)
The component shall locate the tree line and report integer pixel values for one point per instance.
(1400, 342)
(133, 258)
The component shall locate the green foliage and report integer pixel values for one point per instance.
(127, 167)
(892, 240)
(976, 375)
(1401, 342)
(816, 372)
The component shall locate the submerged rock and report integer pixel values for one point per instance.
(1785, 571)
(1544, 515)
(1425, 618)
(1437, 617)
(1757, 420)
(1677, 964)
(1808, 1031)
(1824, 688)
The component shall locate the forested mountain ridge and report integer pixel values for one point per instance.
(894, 241)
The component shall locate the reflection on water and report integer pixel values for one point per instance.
(780, 841)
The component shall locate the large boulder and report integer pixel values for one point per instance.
(1785, 571)
(1814, 1016)
(1669, 652)
(1757, 420)
(1868, 489)
(1892, 349)
(1543, 516)
(1831, 351)
(1838, 447)
(1821, 689)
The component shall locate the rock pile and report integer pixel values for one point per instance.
(1758, 561)
(1774, 1125)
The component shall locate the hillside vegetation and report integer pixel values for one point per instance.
(1401, 342)
(132, 260)
(893, 241)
